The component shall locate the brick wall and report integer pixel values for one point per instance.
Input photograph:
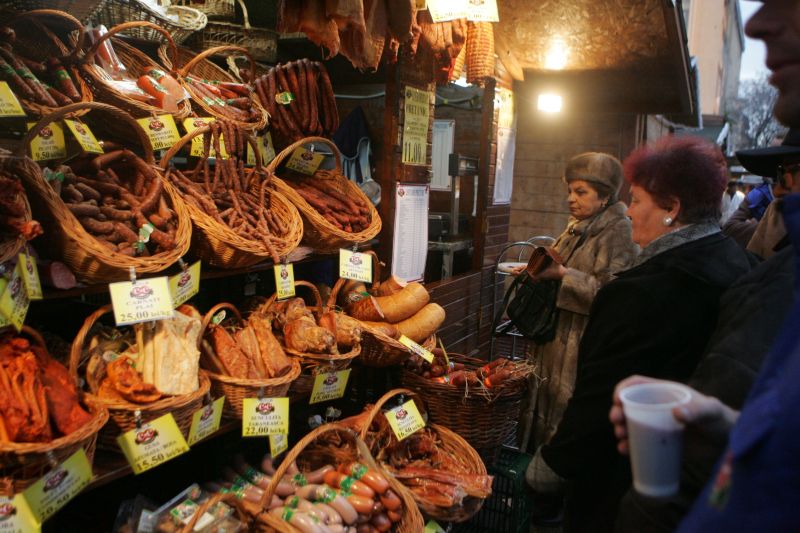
(544, 144)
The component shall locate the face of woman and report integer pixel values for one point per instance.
(583, 200)
(647, 217)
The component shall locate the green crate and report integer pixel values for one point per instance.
(508, 509)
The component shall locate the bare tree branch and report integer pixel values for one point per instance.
(754, 125)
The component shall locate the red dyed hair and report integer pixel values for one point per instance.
(690, 169)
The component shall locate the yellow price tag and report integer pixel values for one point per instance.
(305, 161)
(56, 488)
(355, 265)
(48, 143)
(142, 301)
(192, 123)
(9, 104)
(284, 280)
(14, 301)
(433, 527)
(154, 443)
(265, 416)
(329, 386)
(416, 348)
(84, 136)
(16, 516)
(278, 444)
(185, 285)
(30, 277)
(205, 421)
(162, 131)
(405, 419)
(265, 148)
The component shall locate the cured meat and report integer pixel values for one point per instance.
(61, 395)
(314, 22)
(126, 381)
(235, 361)
(274, 358)
(365, 48)
(346, 13)
(403, 13)
(248, 344)
(303, 335)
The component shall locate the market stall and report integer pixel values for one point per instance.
(221, 297)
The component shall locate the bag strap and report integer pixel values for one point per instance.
(502, 309)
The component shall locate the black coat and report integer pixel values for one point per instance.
(654, 319)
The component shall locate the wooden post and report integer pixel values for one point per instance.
(484, 165)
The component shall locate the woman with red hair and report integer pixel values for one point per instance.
(653, 319)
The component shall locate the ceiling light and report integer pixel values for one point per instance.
(556, 56)
(549, 103)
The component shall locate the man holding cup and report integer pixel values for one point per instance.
(756, 484)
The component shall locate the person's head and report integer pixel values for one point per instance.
(777, 23)
(733, 186)
(674, 182)
(593, 181)
(777, 163)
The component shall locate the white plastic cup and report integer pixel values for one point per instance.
(655, 436)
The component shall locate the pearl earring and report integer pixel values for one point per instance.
(667, 221)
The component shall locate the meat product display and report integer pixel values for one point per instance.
(346, 212)
(13, 210)
(304, 335)
(38, 400)
(232, 195)
(300, 98)
(363, 46)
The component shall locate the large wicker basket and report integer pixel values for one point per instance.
(237, 389)
(215, 9)
(136, 62)
(124, 413)
(486, 418)
(262, 117)
(318, 232)
(83, 10)
(22, 463)
(88, 259)
(261, 43)
(36, 40)
(224, 497)
(205, 69)
(354, 449)
(451, 443)
(179, 22)
(217, 244)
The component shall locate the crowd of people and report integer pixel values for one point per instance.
(659, 291)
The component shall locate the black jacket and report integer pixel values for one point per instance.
(654, 319)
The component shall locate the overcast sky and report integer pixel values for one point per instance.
(754, 52)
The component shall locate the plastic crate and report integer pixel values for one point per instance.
(508, 509)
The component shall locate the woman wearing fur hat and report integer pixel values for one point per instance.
(596, 244)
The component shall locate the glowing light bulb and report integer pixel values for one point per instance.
(549, 103)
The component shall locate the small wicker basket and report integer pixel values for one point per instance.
(451, 443)
(217, 244)
(179, 22)
(356, 450)
(137, 62)
(318, 232)
(237, 389)
(124, 413)
(22, 463)
(88, 259)
(83, 10)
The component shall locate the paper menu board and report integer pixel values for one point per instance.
(410, 231)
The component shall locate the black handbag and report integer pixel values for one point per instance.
(531, 306)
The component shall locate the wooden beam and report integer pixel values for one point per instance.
(507, 56)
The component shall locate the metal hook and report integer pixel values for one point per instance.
(183, 264)
(132, 274)
(138, 417)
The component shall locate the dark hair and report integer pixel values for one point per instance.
(690, 169)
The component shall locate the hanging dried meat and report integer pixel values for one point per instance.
(309, 17)
(364, 48)
(402, 18)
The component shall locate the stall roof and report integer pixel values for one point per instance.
(621, 55)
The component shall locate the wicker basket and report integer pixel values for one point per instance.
(136, 62)
(486, 418)
(11, 245)
(262, 119)
(480, 52)
(260, 43)
(88, 259)
(21, 464)
(318, 232)
(217, 244)
(179, 22)
(83, 10)
(122, 412)
(215, 9)
(225, 497)
(452, 444)
(355, 450)
(237, 389)
(36, 40)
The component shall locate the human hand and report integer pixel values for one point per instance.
(516, 271)
(704, 413)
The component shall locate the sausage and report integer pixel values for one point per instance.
(381, 522)
(63, 79)
(360, 472)
(95, 226)
(104, 160)
(348, 484)
(313, 96)
(332, 118)
(391, 501)
(332, 516)
(318, 475)
(83, 210)
(394, 516)
(361, 504)
(297, 78)
(299, 520)
(329, 496)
